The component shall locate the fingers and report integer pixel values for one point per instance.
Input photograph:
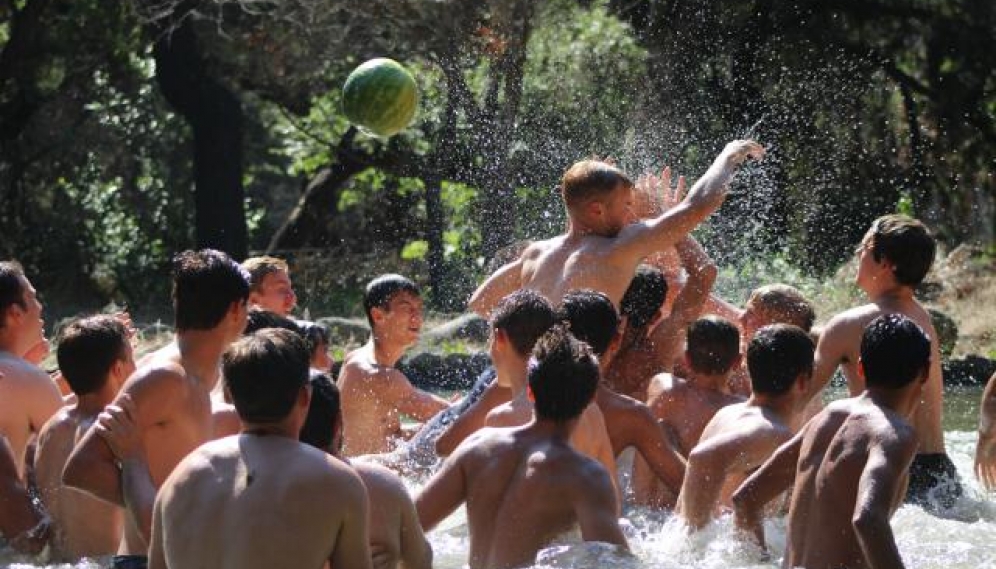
(680, 190)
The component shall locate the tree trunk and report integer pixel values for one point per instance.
(215, 116)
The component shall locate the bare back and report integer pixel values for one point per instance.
(685, 408)
(84, 526)
(555, 266)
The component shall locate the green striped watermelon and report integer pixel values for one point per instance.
(380, 96)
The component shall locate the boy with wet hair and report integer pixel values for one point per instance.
(396, 538)
(895, 255)
(684, 406)
(374, 392)
(740, 437)
(525, 486)
(167, 400)
(850, 463)
(28, 397)
(629, 422)
(306, 507)
(95, 357)
(270, 285)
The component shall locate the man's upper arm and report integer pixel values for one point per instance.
(878, 490)
(352, 545)
(708, 464)
(830, 351)
(500, 284)
(416, 553)
(666, 462)
(596, 507)
(44, 400)
(157, 556)
(443, 493)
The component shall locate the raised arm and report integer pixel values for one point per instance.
(502, 283)
(878, 490)
(985, 449)
(708, 464)
(830, 353)
(651, 235)
(443, 493)
(763, 486)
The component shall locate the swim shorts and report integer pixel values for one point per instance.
(130, 562)
(934, 482)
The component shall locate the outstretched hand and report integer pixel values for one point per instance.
(116, 425)
(736, 152)
(653, 195)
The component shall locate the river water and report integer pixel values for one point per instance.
(964, 538)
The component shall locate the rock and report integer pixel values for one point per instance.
(468, 327)
(345, 331)
(453, 371)
(947, 331)
(970, 370)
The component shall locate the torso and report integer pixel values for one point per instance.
(371, 422)
(555, 266)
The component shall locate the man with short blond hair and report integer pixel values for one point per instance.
(270, 285)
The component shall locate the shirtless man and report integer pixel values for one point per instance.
(22, 525)
(270, 285)
(396, 537)
(601, 249)
(629, 422)
(894, 257)
(374, 392)
(518, 321)
(651, 342)
(28, 397)
(740, 437)
(168, 398)
(684, 406)
(525, 486)
(262, 499)
(95, 357)
(985, 449)
(850, 464)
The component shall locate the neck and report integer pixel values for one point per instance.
(384, 352)
(718, 382)
(200, 353)
(781, 405)
(514, 374)
(285, 428)
(897, 400)
(93, 403)
(560, 430)
(9, 343)
(891, 294)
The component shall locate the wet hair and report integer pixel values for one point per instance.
(592, 317)
(783, 304)
(906, 243)
(323, 412)
(644, 297)
(264, 374)
(713, 344)
(563, 375)
(776, 356)
(382, 289)
(258, 319)
(259, 267)
(895, 351)
(590, 179)
(205, 284)
(314, 333)
(524, 315)
(88, 349)
(11, 288)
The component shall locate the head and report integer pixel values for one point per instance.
(776, 304)
(20, 310)
(267, 376)
(94, 353)
(393, 305)
(563, 376)
(319, 339)
(258, 318)
(779, 358)
(712, 346)
(598, 196)
(641, 305)
(270, 285)
(210, 292)
(895, 353)
(896, 250)
(323, 427)
(518, 321)
(593, 319)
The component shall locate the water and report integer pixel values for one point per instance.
(966, 540)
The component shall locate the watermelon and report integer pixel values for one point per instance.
(380, 96)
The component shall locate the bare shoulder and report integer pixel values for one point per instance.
(19, 373)
(849, 320)
(61, 426)
(379, 480)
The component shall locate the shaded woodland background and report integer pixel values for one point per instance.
(131, 130)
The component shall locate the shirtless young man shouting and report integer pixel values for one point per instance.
(601, 248)
(374, 392)
(168, 398)
(850, 463)
(261, 499)
(524, 486)
(893, 258)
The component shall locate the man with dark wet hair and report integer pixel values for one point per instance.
(629, 422)
(895, 256)
(168, 399)
(524, 486)
(603, 246)
(684, 406)
(396, 537)
(740, 437)
(28, 397)
(375, 393)
(95, 357)
(306, 508)
(849, 464)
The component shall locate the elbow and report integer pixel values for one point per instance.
(707, 274)
(868, 523)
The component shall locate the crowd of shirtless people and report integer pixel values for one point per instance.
(237, 445)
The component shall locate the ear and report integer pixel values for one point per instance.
(377, 314)
(254, 297)
(594, 209)
(304, 397)
(861, 370)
